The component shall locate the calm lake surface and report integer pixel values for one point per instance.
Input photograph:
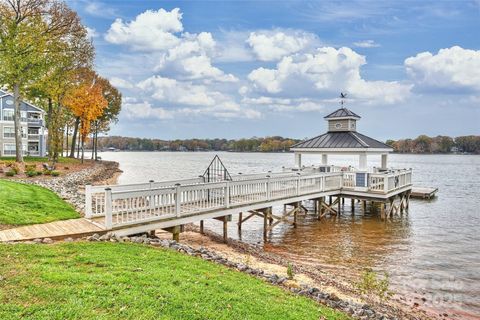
(433, 252)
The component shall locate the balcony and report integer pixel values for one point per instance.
(35, 122)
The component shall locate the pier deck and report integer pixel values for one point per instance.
(131, 209)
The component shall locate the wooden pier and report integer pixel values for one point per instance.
(131, 209)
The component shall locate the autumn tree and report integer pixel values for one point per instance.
(87, 103)
(109, 115)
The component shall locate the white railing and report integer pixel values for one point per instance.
(137, 203)
(389, 181)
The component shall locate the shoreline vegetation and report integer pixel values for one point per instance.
(421, 145)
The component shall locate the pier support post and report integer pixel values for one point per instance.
(382, 210)
(265, 226)
(240, 218)
(330, 201)
(176, 233)
(339, 206)
(320, 204)
(225, 228)
(353, 206)
(201, 227)
(364, 205)
(297, 207)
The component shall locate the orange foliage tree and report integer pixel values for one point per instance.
(87, 103)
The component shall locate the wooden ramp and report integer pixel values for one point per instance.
(57, 229)
(423, 192)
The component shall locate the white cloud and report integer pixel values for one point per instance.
(91, 32)
(182, 55)
(151, 30)
(274, 44)
(285, 105)
(144, 110)
(120, 83)
(324, 73)
(194, 99)
(451, 69)
(100, 9)
(366, 44)
(191, 59)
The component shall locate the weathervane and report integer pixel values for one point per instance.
(343, 96)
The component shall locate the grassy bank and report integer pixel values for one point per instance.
(41, 160)
(22, 204)
(129, 281)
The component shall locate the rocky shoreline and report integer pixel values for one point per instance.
(71, 187)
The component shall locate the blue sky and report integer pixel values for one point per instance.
(236, 69)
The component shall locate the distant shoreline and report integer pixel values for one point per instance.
(238, 151)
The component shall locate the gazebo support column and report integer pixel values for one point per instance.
(324, 159)
(298, 160)
(362, 161)
(384, 161)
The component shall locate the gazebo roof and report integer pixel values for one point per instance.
(341, 140)
(342, 113)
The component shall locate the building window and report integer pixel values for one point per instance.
(8, 132)
(9, 149)
(8, 114)
(352, 125)
(338, 125)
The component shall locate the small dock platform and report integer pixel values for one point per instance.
(423, 192)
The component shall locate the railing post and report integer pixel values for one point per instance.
(88, 201)
(178, 199)
(322, 183)
(227, 194)
(385, 183)
(268, 188)
(298, 184)
(108, 209)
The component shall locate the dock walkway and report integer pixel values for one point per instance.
(131, 209)
(56, 229)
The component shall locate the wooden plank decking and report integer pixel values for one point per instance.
(423, 192)
(63, 229)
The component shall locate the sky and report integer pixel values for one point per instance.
(239, 69)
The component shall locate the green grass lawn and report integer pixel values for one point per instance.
(130, 281)
(22, 204)
(41, 159)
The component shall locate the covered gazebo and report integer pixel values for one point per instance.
(342, 138)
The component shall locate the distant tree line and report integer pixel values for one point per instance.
(438, 144)
(422, 144)
(268, 144)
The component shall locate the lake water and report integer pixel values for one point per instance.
(433, 252)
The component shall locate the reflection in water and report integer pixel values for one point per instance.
(433, 250)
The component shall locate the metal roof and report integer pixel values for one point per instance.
(334, 140)
(342, 113)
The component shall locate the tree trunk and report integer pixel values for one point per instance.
(74, 137)
(66, 142)
(50, 128)
(96, 143)
(83, 148)
(79, 144)
(18, 126)
(92, 145)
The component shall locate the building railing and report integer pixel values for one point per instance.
(137, 203)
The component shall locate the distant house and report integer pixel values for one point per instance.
(34, 132)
